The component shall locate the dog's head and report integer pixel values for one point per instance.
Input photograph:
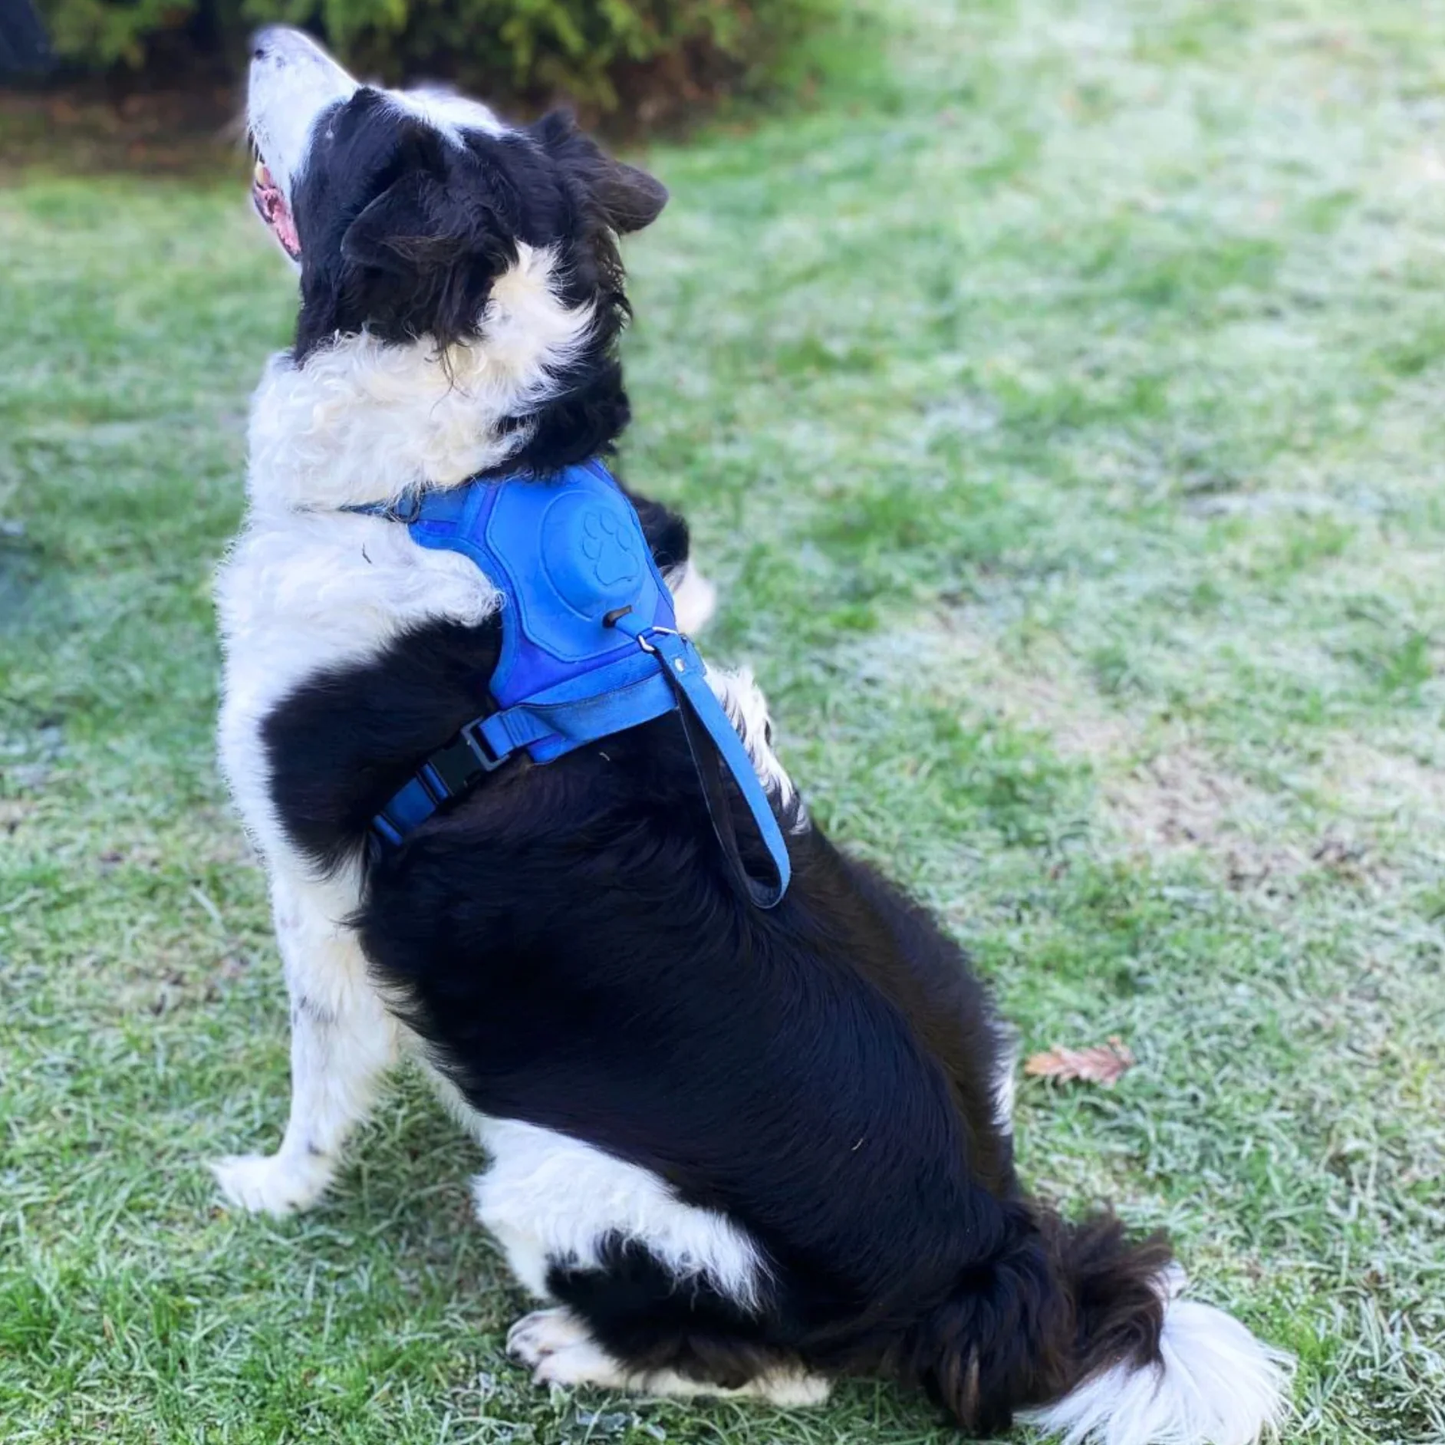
(403, 209)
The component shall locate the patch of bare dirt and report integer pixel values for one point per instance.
(13, 812)
(1383, 784)
(1158, 794)
(1050, 697)
(1180, 799)
(1161, 790)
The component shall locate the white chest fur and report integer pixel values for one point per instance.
(302, 593)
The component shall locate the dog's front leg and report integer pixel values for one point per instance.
(342, 1042)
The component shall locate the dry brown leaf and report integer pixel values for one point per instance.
(1103, 1064)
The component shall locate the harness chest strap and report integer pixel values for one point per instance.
(589, 649)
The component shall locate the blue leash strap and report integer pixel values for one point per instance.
(686, 671)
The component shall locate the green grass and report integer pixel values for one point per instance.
(1056, 398)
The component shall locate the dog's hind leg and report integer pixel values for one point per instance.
(559, 1348)
(693, 595)
(342, 1042)
(657, 1295)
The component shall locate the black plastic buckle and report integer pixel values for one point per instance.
(458, 765)
(476, 739)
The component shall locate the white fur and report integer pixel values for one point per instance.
(1218, 1384)
(300, 593)
(343, 1040)
(548, 1197)
(747, 709)
(557, 1348)
(694, 597)
(1005, 1086)
(363, 421)
(292, 83)
(447, 111)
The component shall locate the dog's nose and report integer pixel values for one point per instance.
(270, 40)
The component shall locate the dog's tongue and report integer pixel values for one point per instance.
(271, 205)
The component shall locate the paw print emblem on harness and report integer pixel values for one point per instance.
(609, 548)
(593, 554)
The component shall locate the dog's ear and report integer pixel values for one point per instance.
(410, 225)
(632, 198)
(629, 198)
(423, 256)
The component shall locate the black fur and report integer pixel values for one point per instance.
(637, 1313)
(570, 944)
(572, 948)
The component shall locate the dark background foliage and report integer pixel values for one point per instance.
(633, 60)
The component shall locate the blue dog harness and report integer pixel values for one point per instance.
(589, 646)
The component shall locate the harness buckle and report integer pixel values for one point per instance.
(452, 769)
(407, 507)
(481, 749)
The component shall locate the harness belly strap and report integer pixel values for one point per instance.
(589, 647)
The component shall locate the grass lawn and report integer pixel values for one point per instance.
(1055, 396)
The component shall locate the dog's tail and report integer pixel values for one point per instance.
(1084, 1334)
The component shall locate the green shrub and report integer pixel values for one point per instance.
(645, 57)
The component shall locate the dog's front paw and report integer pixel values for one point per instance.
(271, 1183)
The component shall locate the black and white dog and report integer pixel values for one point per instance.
(738, 1151)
